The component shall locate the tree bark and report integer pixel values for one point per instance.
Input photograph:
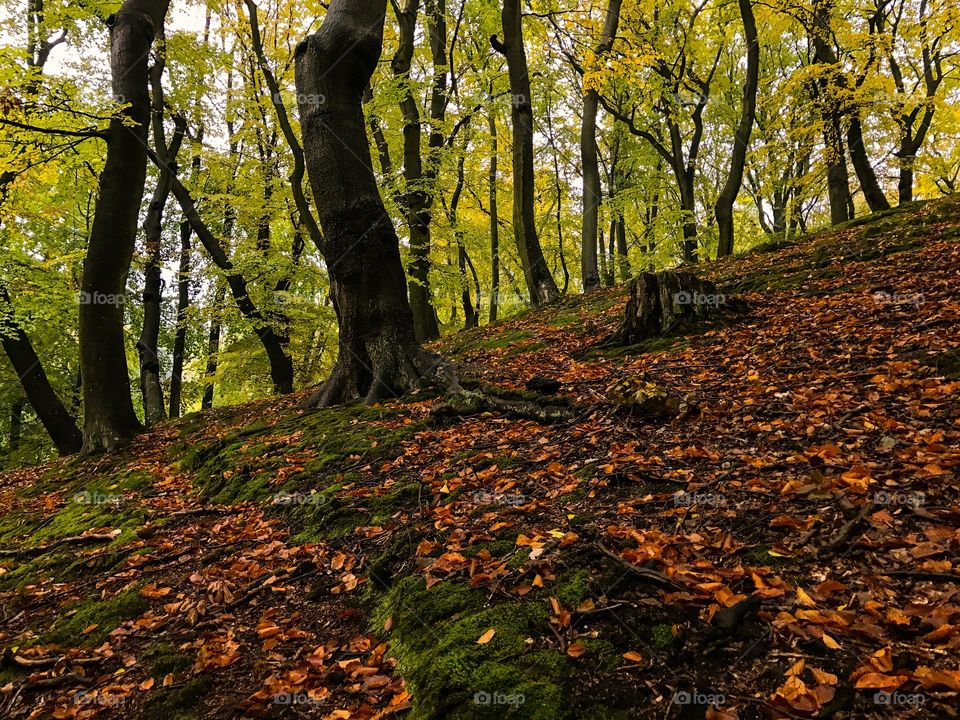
(109, 416)
(494, 219)
(869, 184)
(588, 159)
(379, 355)
(827, 87)
(151, 389)
(43, 399)
(541, 286)
(417, 196)
(180, 337)
(213, 347)
(723, 210)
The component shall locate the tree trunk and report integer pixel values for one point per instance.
(183, 304)
(151, 390)
(379, 355)
(660, 302)
(418, 196)
(43, 399)
(588, 159)
(16, 424)
(838, 181)
(213, 348)
(541, 286)
(109, 416)
(869, 184)
(723, 210)
(494, 220)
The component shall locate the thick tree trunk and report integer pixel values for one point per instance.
(43, 399)
(541, 286)
(660, 302)
(109, 416)
(869, 184)
(588, 159)
(379, 355)
(723, 210)
(183, 305)
(494, 220)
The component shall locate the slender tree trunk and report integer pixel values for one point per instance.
(869, 184)
(151, 389)
(43, 399)
(494, 220)
(16, 424)
(838, 181)
(379, 355)
(183, 305)
(541, 286)
(109, 416)
(417, 197)
(723, 210)
(213, 347)
(588, 159)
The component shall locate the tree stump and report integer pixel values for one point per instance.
(660, 302)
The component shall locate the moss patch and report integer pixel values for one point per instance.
(434, 638)
(105, 615)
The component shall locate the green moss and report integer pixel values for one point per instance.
(105, 614)
(662, 636)
(177, 702)
(571, 588)
(163, 659)
(434, 638)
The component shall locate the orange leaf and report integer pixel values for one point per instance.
(486, 637)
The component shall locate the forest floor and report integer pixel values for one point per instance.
(789, 551)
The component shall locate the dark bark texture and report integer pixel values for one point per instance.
(109, 416)
(379, 355)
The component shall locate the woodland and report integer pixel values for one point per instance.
(470, 359)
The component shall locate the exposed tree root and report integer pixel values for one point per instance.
(74, 540)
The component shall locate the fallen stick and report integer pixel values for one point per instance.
(73, 540)
(849, 529)
(652, 576)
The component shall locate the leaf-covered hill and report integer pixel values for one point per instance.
(785, 548)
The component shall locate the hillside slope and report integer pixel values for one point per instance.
(789, 550)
